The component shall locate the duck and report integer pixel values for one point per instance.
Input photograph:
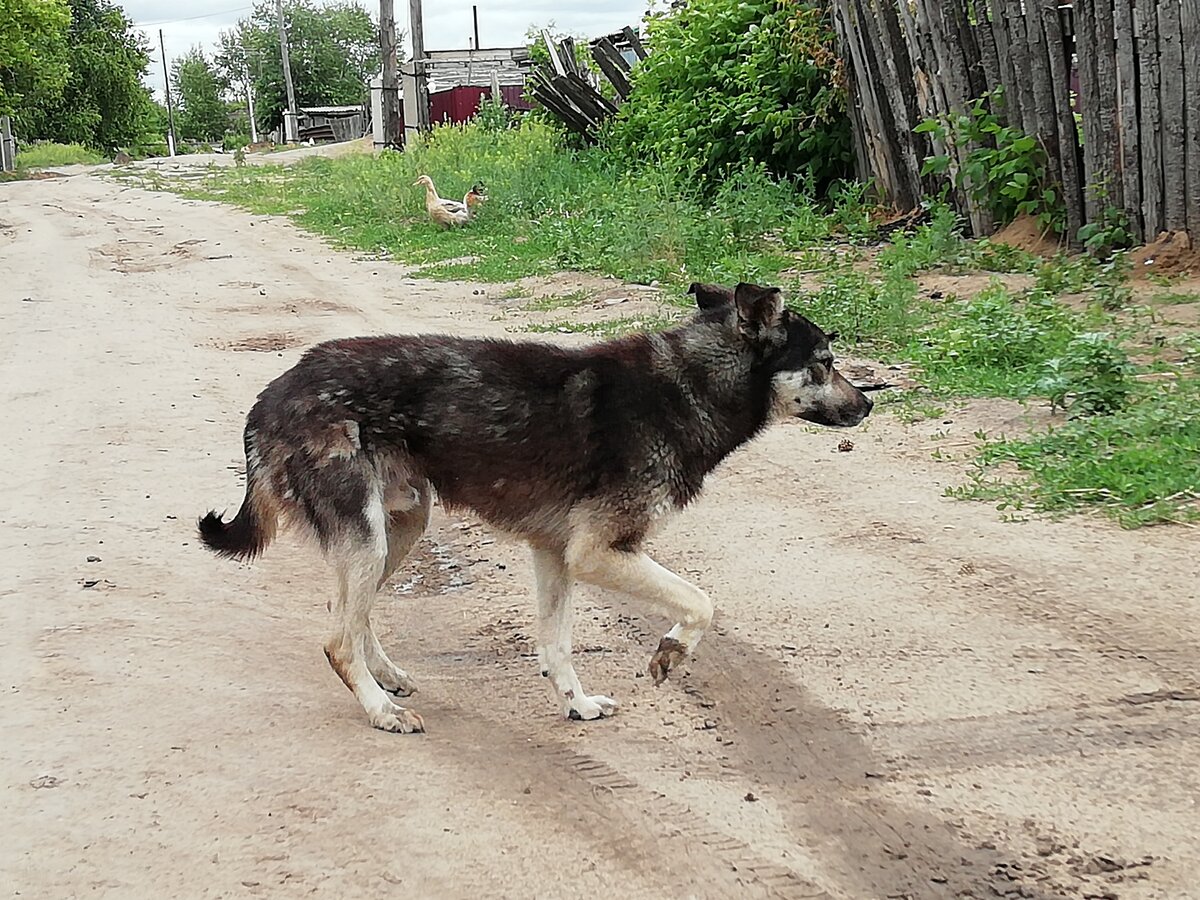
(449, 213)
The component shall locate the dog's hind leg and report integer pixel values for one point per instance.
(555, 619)
(597, 562)
(404, 528)
(360, 559)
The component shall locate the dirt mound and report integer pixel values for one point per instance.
(1024, 233)
(1171, 253)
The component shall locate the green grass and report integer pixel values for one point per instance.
(1140, 465)
(48, 155)
(559, 301)
(549, 208)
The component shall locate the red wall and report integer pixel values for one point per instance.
(461, 103)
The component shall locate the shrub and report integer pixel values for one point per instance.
(733, 83)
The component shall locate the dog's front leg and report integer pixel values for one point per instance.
(635, 573)
(555, 615)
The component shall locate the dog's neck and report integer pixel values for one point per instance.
(728, 404)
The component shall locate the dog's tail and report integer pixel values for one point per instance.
(248, 533)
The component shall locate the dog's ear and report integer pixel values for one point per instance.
(758, 308)
(711, 296)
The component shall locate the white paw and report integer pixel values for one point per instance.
(396, 719)
(588, 708)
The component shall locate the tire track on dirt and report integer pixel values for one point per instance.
(820, 772)
(632, 825)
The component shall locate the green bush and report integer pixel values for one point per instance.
(729, 84)
(1092, 377)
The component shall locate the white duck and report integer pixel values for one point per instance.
(448, 213)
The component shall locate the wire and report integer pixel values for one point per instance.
(223, 12)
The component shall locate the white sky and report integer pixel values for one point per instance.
(502, 23)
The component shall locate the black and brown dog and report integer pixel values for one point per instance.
(580, 452)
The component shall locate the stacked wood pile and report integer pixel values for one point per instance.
(1138, 68)
(572, 93)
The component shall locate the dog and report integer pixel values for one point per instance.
(580, 452)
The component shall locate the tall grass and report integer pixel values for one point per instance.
(549, 208)
(48, 155)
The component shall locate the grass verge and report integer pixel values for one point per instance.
(48, 155)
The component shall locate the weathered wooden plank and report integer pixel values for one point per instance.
(552, 48)
(1127, 121)
(1020, 50)
(631, 36)
(604, 53)
(894, 113)
(1089, 106)
(916, 144)
(1174, 157)
(1043, 91)
(1011, 113)
(951, 91)
(1190, 19)
(874, 139)
(1108, 103)
(1068, 141)
(1146, 18)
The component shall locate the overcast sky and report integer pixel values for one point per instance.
(502, 23)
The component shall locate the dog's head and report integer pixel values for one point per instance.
(795, 352)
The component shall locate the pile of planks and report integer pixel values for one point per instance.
(573, 92)
(1135, 148)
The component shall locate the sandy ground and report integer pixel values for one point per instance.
(905, 696)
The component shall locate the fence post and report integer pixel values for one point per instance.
(8, 147)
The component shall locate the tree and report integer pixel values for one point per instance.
(33, 51)
(104, 103)
(732, 82)
(334, 52)
(203, 114)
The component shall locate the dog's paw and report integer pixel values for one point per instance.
(669, 654)
(395, 681)
(397, 719)
(587, 708)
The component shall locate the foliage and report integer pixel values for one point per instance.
(333, 50)
(493, 115)
(939, 244)
(33, 52)
(45, 155)
(1092, 377)
(1138, 464)
(1110, 233)
(1004, 168)
(995, 343)
(103, 103)
(201, 114)
(728, 84)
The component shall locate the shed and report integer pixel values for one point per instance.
(331, 123)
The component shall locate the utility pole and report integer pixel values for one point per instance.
(416, 23)
(250, 106)
(475, 17)
(167, 84)
(249, 86)
(391, 75)
(289, 118)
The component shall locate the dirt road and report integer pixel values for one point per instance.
(904, 695)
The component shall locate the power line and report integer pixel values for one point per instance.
(223, 12)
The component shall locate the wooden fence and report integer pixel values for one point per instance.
(1136, 64)
(571, 92)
